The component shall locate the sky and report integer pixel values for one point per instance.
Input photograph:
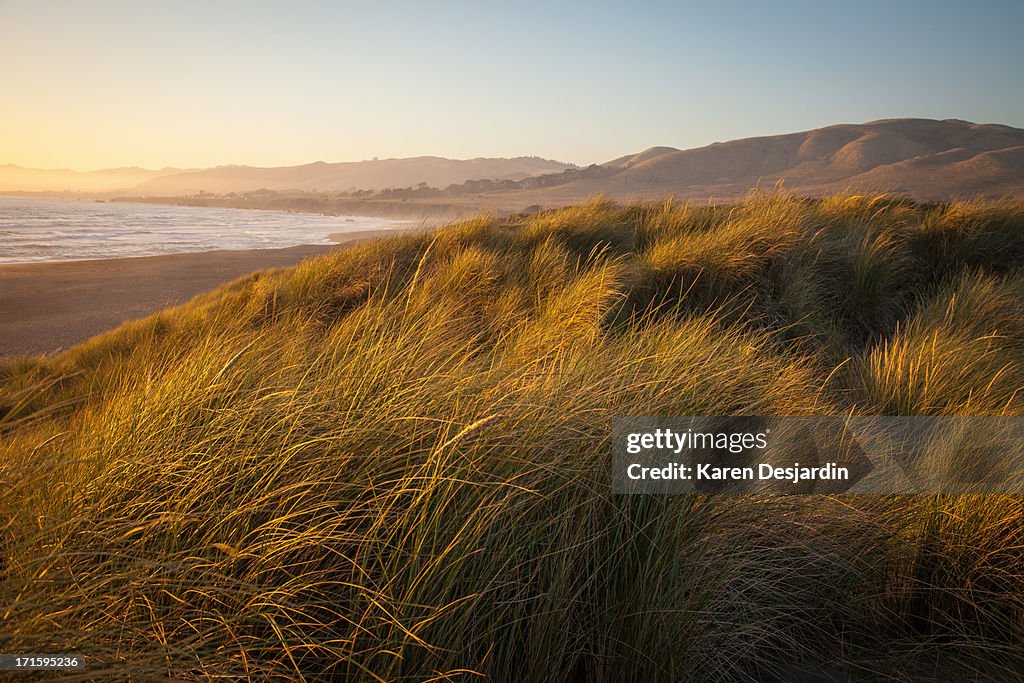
(109, 83)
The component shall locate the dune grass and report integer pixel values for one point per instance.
(392, 462)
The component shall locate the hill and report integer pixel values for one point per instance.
(926, 159)
(918, 158)
(391, 462)
(358, 175)
(18, 179)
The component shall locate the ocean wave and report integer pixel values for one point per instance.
(35, 230)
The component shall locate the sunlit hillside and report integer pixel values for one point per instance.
(391, 462)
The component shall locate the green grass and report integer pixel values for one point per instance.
(392, 462)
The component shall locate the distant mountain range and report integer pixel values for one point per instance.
(18, 179)
(924, 158)
(376, 174)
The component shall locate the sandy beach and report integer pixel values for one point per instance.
(48, 307)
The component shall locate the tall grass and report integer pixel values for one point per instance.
(392, 462)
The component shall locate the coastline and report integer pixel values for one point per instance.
(49, 307)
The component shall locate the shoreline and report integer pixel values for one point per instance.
(48, 307)
(429, 214)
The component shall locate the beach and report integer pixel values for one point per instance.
(49, 307)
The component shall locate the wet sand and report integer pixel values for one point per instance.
(48, 307)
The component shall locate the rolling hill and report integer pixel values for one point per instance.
(921, 157)
(19, 179)
(375, 174)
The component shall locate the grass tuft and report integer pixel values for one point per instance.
(391, 462)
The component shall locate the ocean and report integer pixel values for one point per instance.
(37, 230)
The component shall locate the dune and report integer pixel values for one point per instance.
(392, 462)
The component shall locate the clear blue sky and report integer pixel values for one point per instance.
(152, 83)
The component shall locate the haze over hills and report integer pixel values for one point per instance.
(923, 158)
(18, 179)
(375, 174)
